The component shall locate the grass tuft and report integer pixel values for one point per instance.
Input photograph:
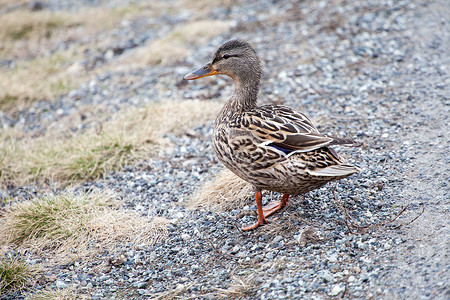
(69, 293)
(8, 101)
(75, 226)
(223, 192)
(14, 273)
(50, 218)
(99, 160)
(134, 135)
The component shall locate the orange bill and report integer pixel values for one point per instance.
(204, 71)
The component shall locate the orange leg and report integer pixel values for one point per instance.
(267, 210)
(261, 219)
(275, 205)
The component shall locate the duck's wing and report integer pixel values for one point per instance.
(285, 129)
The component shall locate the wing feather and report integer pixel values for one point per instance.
(335, 171)
(285, 128)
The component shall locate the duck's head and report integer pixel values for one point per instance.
(235, 58)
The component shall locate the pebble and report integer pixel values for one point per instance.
(338, 288)
(333, 257)
(327, 276)
(357, 71)
(60, 284)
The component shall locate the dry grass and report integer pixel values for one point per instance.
(223, 192)
(29, 38)
(29, 33)
(14, 273)
(203, 7)
(76, 226)
(25, 82)
(132, 136)
(8, 3)
(175, 46)
(69, 293)
(242, 286)
(32, 39)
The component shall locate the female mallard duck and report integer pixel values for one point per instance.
(273, 147)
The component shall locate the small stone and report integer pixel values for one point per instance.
(327, 276)
(36, 6)
(109, 54)
(140, 285)
(60, 284)
(182, 175)
(117, 261)
(333, 257)
(35, 261)
(362, 245)
(179, 215)
(277, 239)
(337, 289)
(235, 249)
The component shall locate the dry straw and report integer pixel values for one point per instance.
(72, 226)
(223, 192)
(133, 135)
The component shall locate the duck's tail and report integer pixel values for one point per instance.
(343, 142)
(340, 171)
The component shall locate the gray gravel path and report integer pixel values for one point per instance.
(376, 71)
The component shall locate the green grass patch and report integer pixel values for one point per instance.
(19, 33)
(43, 218)
(7, 102)
(99, 160)
(79, 158)
(75, 225)
(14, 273)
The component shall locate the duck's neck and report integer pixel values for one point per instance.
(243, 99)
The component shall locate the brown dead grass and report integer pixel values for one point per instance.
(203, 7)
(241, 286)
(223, 192)
(40, 78)
(31, 39)
(176, 45)
(68, 293)
(74, 226)
(30, 33)
(134, 135)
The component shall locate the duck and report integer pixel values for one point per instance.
(273, 147)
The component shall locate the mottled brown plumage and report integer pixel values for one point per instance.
(273, 147)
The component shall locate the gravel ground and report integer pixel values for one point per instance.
(376, 71)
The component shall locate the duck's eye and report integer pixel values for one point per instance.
(225, 56)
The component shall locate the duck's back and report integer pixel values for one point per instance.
(279, 149)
